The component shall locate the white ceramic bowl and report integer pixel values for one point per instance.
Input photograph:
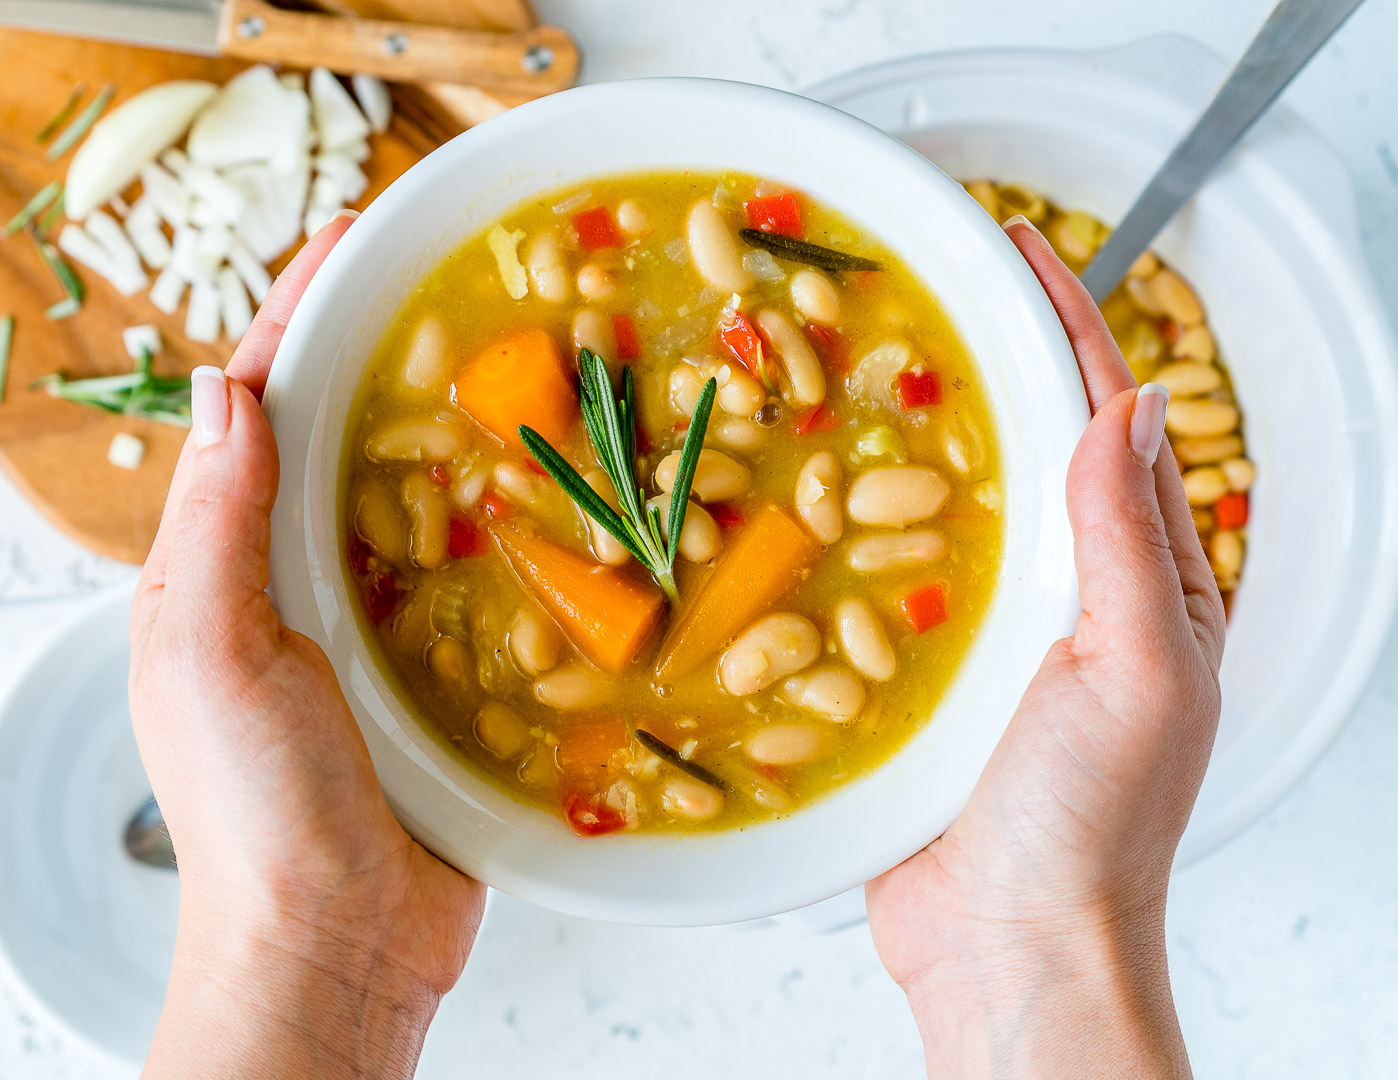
(990, 295)
(1273, 246)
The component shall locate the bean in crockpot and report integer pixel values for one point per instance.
(815, 297)
(832, 690)
(700, 540)
(534, 641)
(896, 495)
(1186, 378)
(501, 730)
(962, 445)
(548, 274)
(716, 476)
(1176, 299)
(1207, 451)
(1205, 485)
(594, 331)
(863, 640)
(1145, 265)
(714, 249)
(736, 433)
(875, 554)
(469, 485)
(448, 659)
(784, 744)
(1196, 343)
(427, 366)
(631, 217)
(430, 520)
(572, 687)
(817, 497)
(738, 392)
(686, 384)
(605, 546)
(595, 283)
(517, 483)
(1201, 419)
(1143, 296)
(1240, 473)
(773, 647)
(540, 768)
(378, 519)
(1226, 552)
(427, 439)
(683, 796)
(804, 385)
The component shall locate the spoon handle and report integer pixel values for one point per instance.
(1292, 34)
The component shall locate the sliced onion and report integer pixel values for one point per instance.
(234, 307)
(168, 291)
(201, 321)
(251, 272)
(253, 118)
(78, 244)
(374, 99)
(338, 120)
(142, 226)
(141, 339)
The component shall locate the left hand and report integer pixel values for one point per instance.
(314, 932)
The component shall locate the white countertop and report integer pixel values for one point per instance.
(1283, 945)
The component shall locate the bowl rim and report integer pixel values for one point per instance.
(295, 552)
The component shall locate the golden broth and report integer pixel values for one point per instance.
(494, 674)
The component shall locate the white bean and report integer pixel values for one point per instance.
(1186, 378)
(517, 483)
(738, 392)
(773, 647)
(534, 641)
(378, 518)
(1205, 485)
(700, 539)
(817, 500)
(863, 640)
(1226, 552)
(594, 332)
(815, 297)
(716, 476)
(896, 495)
(448, 659)
(414, 440)
(961, 443)
(832, 690)
(631, 217)
(1240, 472)
(573, 687)
(594, 283)
(1175, 298)
(501, 730)
(1201, 419)
(605, 546)
(686, 384)
(431, 520)
(784, 744)
(426, 366)
(684, 796)
(874, 554)
(548, 273)
(714, 249)
(736, 433)
(1208, 451)
(804, 386)
(1196, 343)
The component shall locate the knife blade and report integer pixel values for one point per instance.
(179, 25)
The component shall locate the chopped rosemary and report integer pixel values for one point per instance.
(32, 208)
(7, 339)
(666, 752)
(803, 251)
(53, 258)
(611, 425)
(64, 308)
(45, 133)
(163, 399)
(51, 214)
(78, 128)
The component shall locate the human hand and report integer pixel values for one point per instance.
(1030, 936)
(314, 933)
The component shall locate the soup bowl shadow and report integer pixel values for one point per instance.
(871, 823)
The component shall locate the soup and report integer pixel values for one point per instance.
(837, 553)
(1160, 326)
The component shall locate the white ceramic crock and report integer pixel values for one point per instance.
(1272, 245)
(988, 291)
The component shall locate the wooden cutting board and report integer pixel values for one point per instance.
(56, 452)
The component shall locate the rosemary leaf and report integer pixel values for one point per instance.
(63, 309)
(33, 207)
(45, 133)
(78, 128)
(51, 214)
(689, 461)
(58, 265)
(667, 753)
(7, 340)
(803, 251)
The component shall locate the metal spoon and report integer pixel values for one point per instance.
(1292, 34)
(147, 838)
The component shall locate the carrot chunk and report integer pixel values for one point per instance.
(520, 380)
(608, 615)
(762, 561)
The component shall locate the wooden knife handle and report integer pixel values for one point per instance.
(525, 64)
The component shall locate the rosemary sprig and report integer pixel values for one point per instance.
(803, 251)
(7, 339)
(161, 398)
(33, 207)
(45, 133)
(611, 425)
(74, 132)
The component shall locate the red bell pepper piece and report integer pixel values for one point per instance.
(725, 515)
(1231, 511)
(381, 596)
(497, 506)
(918, 389)
(359, 554)
(818, 418)
(466, 539)
(588, 815)
(775, 214)
(829, 347)
(438, 475)
(596, 229)
(628, 342)
(742, 340)
(926, 607)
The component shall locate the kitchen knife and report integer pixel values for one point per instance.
(522, 64)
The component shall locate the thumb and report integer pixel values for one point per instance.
(217, 559)
(1127, 579)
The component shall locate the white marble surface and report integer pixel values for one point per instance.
(1284, 944)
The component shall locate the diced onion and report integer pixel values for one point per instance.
(505, 247)
(126, 451)
(202, 319)
(251, 272)
(761, 265)
(338, 120)
(79, 244)
(234, 307)
(374, 99)
(141, 339)
(168, 291)
(142, 226)
(253, 118)
(166, 194)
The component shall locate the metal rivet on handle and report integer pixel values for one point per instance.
(539, 58)
(395, 44)
(251, 27)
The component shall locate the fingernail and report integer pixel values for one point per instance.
(208, 401)
(347, 212)
(1019, 219)
(1148, 422)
